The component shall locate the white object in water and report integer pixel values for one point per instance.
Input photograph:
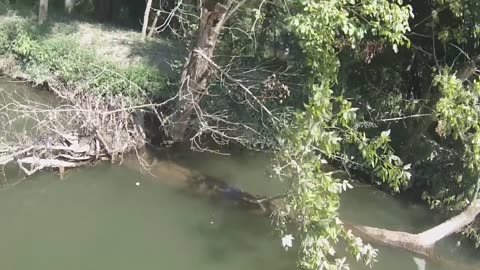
(287, 241)
(421, 264)
(138, 184)
(211, 222)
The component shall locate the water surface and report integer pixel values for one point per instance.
(98, 218)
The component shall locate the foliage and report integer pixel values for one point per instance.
(459, 115)
(458, 112)
(62, 58)
(361, 68)
(462, 21)
(327, 129)
(327, 25)
(8, 31)
(139, 80)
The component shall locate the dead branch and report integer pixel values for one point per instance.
(77, 129)
(420, 243)
(244, 88)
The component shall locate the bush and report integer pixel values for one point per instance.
(4, 6)
(8, 32)
(61, 58)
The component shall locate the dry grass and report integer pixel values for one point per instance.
(121, 47)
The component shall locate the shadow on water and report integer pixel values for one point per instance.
(98, 218)
(102, 215)
(231, 227)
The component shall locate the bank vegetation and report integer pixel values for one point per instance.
(385, 91)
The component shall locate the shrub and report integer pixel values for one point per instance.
(60, 57)
(4, 6)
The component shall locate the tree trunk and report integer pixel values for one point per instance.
(154, 24)
(421, 243)
(268, 20)
(69, 4)
(145, 19)
(196, 71)
(43, 11)
(451, 226)
(396, 239)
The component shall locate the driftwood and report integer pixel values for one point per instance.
(55, 154)
(76, 130)
(103, 128)
(421, 243)
(209, 187)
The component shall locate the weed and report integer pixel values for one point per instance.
(44, 57)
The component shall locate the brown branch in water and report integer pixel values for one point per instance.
(421, 243)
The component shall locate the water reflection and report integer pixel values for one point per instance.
(98, 218)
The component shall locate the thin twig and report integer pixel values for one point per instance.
(244, 88)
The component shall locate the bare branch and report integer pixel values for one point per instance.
(244, 88)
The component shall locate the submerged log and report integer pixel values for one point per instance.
(209, 187)
(221, 190)
(205, 186)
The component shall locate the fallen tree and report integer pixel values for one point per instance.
(203, 185)
(211, 188)
(424, 242)
(82, 129)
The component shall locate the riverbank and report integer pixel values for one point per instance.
(88, 56)
(105, 80)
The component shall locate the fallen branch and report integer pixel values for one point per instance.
(4, 160)
(51, 163)
(421, 243)
(78, 129)
(243, 87)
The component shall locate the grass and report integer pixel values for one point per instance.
(85, 56)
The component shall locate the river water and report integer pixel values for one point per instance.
(99, 218)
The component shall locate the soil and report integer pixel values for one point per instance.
(122, 47)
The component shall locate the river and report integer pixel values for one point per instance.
(100, 218)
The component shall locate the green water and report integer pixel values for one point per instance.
(19, 98)
(98, 218)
